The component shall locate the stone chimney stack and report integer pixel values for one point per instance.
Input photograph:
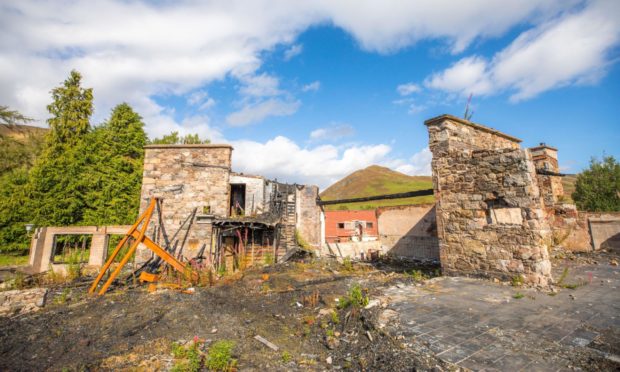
(546, 159)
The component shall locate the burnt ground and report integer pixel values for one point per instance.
(129, 328)
(410, 323)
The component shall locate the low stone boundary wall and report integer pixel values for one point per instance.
(605, 230)
(355, 249)
(22, 301)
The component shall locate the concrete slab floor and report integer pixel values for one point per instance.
(481, 325)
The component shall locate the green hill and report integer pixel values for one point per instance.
(376, 180)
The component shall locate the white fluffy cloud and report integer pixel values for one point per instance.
(408, 89)
(312, 87)
(256, 112)
(135, 50)
(283, 159)
(334, 132)
(293, 51)
(418, 165)
(572, 49)
(321, 165)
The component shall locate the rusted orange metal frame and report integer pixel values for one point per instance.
(140, 237)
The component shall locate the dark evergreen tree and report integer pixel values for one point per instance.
(115, 168)
(56, 186)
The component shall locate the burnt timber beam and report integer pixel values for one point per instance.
(545, 172)
(401, 195)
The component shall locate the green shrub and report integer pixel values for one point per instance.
(598, 187)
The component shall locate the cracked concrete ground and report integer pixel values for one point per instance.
(482, 325)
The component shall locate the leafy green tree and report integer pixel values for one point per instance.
(169, 139)
(115, 168)
(174, 139)
(57, 186)
(598, 188)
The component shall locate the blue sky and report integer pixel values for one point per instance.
(311, 91)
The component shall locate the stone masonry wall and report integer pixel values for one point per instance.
(187, 177)
(551, 189)
(489, 211)
(409, 231)
(308, 222)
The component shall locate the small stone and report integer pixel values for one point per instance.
(613, 262)
(332, 342)
(214, 330)
(328, 360)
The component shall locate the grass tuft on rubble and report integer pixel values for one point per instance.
(517, 281)
(220, 356)
(355, 298)
(188, 358)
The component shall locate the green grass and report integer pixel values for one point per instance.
(382, 203)
(12, 260)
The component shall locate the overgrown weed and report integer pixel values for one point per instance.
(355, 298)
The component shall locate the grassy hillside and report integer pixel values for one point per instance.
(568, 182)
(376, 180)
(21, 133)
(19, 145)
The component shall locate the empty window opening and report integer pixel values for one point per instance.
(71, 249)
(369, 225)
(341, 225)
(237, 199)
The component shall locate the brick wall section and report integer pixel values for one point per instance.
(409, 231)
(489, 211)
(333, 218)
(187, 177)
(308, 213)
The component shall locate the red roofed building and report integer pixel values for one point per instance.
(345, 226)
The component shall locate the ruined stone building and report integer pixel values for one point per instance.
(196, 183)
(499, 208)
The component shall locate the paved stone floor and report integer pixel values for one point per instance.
(480, 325)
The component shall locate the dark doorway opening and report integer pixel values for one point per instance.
(237, 199)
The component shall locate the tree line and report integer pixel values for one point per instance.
(77, 174)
